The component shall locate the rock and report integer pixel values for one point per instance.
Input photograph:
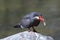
(28, 36)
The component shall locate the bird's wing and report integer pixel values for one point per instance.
(25, 22)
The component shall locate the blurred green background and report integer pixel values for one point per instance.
(11, 12)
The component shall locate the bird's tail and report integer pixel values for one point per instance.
(17, 26)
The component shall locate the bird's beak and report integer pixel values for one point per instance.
(41, 18)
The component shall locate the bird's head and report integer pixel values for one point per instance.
(41, 18)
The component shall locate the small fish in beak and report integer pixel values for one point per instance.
(44, 23)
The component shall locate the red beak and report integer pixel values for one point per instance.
(41, 18)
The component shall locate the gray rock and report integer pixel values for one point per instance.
(28, 36)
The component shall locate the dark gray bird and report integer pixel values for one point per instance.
(30, 20)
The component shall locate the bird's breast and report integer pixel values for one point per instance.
(36, 22)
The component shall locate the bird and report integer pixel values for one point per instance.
(31, 20)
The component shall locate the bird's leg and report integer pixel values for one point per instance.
(30, 29)
(33, 29)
